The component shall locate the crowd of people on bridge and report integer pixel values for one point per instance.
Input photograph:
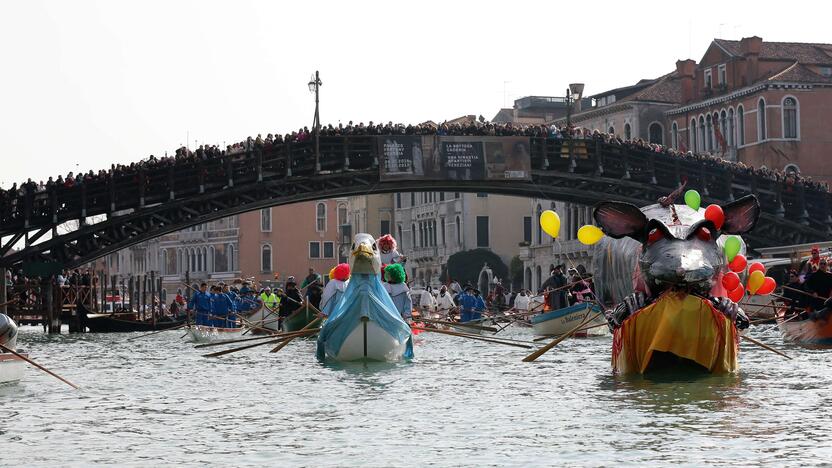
(11, 204)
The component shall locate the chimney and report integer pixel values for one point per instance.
(750, 48)
(686, 69)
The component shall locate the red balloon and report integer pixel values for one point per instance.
(768, 286)
(738, 263)
(714, 214)
(736, 294)
(730, 281)
(756, 266)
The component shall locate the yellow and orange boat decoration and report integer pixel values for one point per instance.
(682, 325)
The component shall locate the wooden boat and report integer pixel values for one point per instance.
(677, 331)
(107, 323)
(300, 318)
(806, 332)
(206, 333)
(11, 367)
(476, 327)
(558, 322)
(370, 342)
(262, 322)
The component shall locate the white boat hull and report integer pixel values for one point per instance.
(206, 334)
(11, 368)
(471, 330)
(262, 322)
(374, 344)
(559, 325)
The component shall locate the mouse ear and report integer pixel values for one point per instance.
(741, 215)
(619, 219)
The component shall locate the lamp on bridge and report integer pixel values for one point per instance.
(315, 87)
(572, 94)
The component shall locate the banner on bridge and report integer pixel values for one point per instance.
(432, 157)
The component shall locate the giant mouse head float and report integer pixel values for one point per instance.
(679, 246)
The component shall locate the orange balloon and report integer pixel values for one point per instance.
(756, 266)
(768, 286)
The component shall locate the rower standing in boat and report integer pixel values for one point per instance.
(201, 303)
(470, 305)
(339, 280)
(223, 310)
(291, 300)
(444, 303)
(399, 291)
(314, 288)
(269, 299)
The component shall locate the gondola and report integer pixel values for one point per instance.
(112, 323)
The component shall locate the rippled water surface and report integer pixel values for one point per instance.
(155, 401)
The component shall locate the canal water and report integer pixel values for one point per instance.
(155, 401)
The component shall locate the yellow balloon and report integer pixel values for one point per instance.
(589, 234)
(755, 280)
(550, 222)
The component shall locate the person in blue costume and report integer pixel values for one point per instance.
(223, 310)
(365, 296)
(200, 303)
(470, 305)
(398, 290)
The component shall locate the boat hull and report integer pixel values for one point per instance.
(558, 322)
(262, 322)
(106, 324)
(806, 332)
(299, 319)
(11, 368)
(682, 332)
(369, 342)
(207, 334)
(462, 328)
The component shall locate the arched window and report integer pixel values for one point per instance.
(537, 221)
(611, 130)
(415, 240)
(740, 126)
(266, 220)
(538, 277)
(527, 278)
(791, 169)
(790, 118)
(231, 258)
(266, 258)
(761, 120)
(730, 135)
(199, 259)
(342, 214)
(723, 126)
(179, 263)
(655, 133)
(211, 259)
(700, 137)
(709, 134)
(692, 135)
(627, 133)
(458, 232)
(320, 217)
(674, 135)
(164, 268)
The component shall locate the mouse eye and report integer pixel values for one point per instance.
(704, 234)
(655, 235)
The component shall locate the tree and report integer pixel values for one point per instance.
(465, 266)
(516, 271)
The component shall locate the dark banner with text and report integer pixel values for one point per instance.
(409, 157)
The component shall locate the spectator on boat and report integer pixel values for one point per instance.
(554, 285)
(581, 290)
(398, 290)
(201, 304)
(792, 289)
(812, 264)
(314, 286)
(269, 299)
(444, 303)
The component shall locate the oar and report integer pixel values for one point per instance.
(158, 331)
(308, 325)
(272, 341)
(8, 302)
(243, 340)
(474, 337)
(546, 337)
(4, 348)
(752, 340)
(540, 352)
(461, 324)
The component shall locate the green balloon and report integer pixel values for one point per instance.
(732, 247)
(693, 200)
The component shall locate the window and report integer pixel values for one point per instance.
(442, 225)
(761, 120)
(740, 126)
(709, 134)
(456, 195)
(692, 135)
(482, 231)
(398, 200)
(385, 227)
(231, 259)
(539, 212)
(315, 249)
(655, 133)
(674, 135)
(458, 232)
(700, 137)
(627, 133)
(790, 117)
(721, 76)
(320, 217)
(826, 71)
(412, 198)
(342, 214)
(527, 229)
(482, 195)
(730, 130)
(329, 250)
(611, 130)
(266, 258)
(708, 79)
(399, 231)
(266, 220)
(414, 240)
(441, 196)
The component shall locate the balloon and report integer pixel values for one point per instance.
(738, 264)
(755, 280)
(730, 281)
(768, 286)
(714, 214)
(756, 266)
(693, 200)
(589, 234)
(732, 247)
(736, 294)
(550, 222)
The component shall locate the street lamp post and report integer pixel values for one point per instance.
(572, 93)
(315, 87)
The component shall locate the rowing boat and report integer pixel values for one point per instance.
(11, 366)
(812, 331)
(206, 333)
(558, 322)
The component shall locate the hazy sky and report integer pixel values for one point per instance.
(85, 84)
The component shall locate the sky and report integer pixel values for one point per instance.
(85, 84)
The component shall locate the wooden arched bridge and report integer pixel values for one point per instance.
(136, 206)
